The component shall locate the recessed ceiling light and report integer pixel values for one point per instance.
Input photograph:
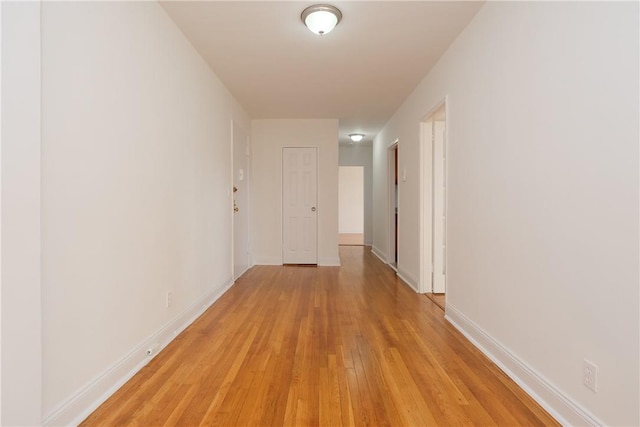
(321, 18)
(356, 137)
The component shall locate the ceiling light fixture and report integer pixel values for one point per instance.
(356, 137)
(321, 18)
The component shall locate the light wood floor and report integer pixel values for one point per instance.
(304, 346)
(438, 299)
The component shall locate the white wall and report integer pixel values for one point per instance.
(351, 199)
(0, 222)
(136, 179)
(361, 155)
(21, 320)
(543, 193)
(267, 140)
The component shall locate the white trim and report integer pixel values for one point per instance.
(325, 262)
(242, 273)
(379, 254)
(422, 267)
(403, 279)
(425, 282)
(408, 279)
(564, 409)
(81, 404)
(329, 262)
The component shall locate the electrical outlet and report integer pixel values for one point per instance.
(169, 301)
(590, 375)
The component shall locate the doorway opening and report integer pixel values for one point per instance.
(433, 192)
(351, 205)
(394, 198)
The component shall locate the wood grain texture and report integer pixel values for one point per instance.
(349, 345)
(438, 299)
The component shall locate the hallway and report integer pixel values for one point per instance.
(347, 345)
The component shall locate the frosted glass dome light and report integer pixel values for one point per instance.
(321, 18)
(356, 137)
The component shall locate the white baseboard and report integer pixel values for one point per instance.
(325, 262)
(407, 278)
(80, 405)
(329, 262)
(402, 274)
(559, 405)
(379, 254)
(242, 274)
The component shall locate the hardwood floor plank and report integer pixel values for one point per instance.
(224, 389)
(346, 402)
(330, 346)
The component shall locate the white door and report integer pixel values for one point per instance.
(240, 202)
(299, 205)
(439, 214)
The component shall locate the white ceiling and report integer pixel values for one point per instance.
(359, 73)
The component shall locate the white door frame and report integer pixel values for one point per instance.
(426, 194)
(391, 231)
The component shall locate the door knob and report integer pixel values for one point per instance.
(313, 209)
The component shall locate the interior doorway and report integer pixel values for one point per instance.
(351, 205)
(433, 162)
(394, 203)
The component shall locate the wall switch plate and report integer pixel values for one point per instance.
(590, 375)
(169, 300)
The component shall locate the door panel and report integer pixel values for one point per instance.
(299, 205)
